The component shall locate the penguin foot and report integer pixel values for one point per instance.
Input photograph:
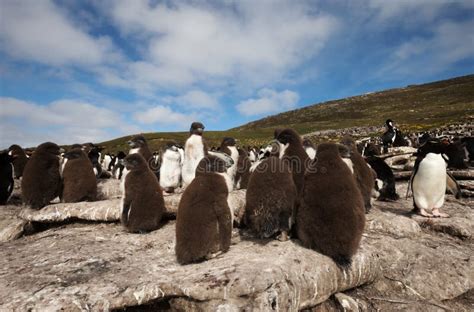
(423, 213)
(283, 237)
(438, 214)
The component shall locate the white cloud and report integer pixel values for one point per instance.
(449, 43)
(38, 31)
(63, 122)
(269, 101)
(164, 115)
(241, 42)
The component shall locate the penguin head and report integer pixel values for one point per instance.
(196, 128)
(389, 123)
(308, 143)
(227, 141)
(348, 141)
(48, 148)
(121, 155)
(344, 150)
(434, 146)
(288, 136)
(330, 151)
(15, 151)
(75, 154)
(215, 162)
(137, 141)
(5, 158)
(134, 162)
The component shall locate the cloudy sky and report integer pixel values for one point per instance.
(78, 70)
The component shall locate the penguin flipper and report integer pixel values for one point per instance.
(125, 211)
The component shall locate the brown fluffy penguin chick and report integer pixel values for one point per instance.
(142, 203)
(243, 170)
(362, 172)
(292, 152)
(79, 181)
(204, 220)
(19, 159)
(41, 181)
(331, 217)
(270, 199)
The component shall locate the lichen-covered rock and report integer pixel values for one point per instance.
(101, 267)
(109, 210)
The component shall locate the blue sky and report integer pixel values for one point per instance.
(78, 70)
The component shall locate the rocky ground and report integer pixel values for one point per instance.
(77, 257)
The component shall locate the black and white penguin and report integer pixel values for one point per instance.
(79, 180)
(392, 137)
(385, 180)
(309, 148)
(270, 199)
(93, 152)
(428, 180)
(6, 177)
(41, 181)
(204, 219)
(195, 149)
(19, 159)
(172, 158)
(228, 146)
(118, 167)
(331, 215)
(106, 161)
(291, 150)
(142, 203)
(362, 172)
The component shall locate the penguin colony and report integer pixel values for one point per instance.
(316, 194)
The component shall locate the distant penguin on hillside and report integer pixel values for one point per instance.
(204, 219)
(142, 203)
(19, 159)
(428, 181)
(41, 181)
(331, 216)
(228, 147)
(309, 148)
(79, 181)
(362, 172)
(195, 149)
(291, 150)
(6, 177)
(270, 199)
(172, 158)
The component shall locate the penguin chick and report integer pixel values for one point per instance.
(41, 181)
(331, 217)
(204, 219)
(79, 181)
(142, 203)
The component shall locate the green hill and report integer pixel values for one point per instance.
(416, 107)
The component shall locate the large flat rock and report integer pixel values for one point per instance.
(109, 210)
(100, 267)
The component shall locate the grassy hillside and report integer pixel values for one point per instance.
(417, 107)
(414, 107)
